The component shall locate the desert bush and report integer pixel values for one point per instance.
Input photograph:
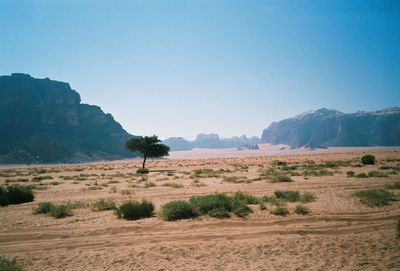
(375, 197)
(103, 205)
(15, 194)
(44, 208)
(368, 159)
(207, 173)
(361, 175)
(262, 206)
(350, 173)
(307, 197)
(377, 174)
(175, 210)
(142, 171)
(40, 178)
(240, 208)
(247, 198)
(273, 200)
(281, 179)
(280, 210)
(133, 210)
(149, 184)
(219, 213)
(398, 229)
(235, 179)
(61, 210)
(7, 265)
(204, 204)
(291, 196)
(301, 209)
(173, 185)
(396, 185)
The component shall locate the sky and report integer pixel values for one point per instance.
(184, 67)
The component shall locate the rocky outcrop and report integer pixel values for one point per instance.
(324, 127)
(210, 141)
(43, 121)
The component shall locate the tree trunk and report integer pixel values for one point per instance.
(144, 161)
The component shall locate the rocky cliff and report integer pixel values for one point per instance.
(43, 121)
(326, 127)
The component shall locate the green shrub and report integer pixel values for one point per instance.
(396, 185)
(142, 171)
(175, 210)
(375, 197)
(7, 265)
(40, 178)
(307, 197)
(44, 208)
(368, 159)
(133, 210)
(274, 200)
(173, 185)
(235, 179)
(281, 179)
(219, 213)
(377, 174)
(240, 208)
(262, 206)
(103, 205)
(291, 196)
(15, 194)
(361, 175)
(149, 184)
(398, 229)
(204, 204)
(61, 211)
(248, 199)
(350, 173)
(280, 210)
(301, 209)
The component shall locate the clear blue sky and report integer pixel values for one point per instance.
(178, 68)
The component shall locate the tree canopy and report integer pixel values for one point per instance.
(148, 146)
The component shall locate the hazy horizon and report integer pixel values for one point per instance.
(180, 68)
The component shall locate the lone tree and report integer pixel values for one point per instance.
(148, 146)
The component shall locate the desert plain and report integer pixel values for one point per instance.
(339, 233)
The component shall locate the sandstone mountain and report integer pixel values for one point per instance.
(210, 141)
(43, 121)
(324, 127)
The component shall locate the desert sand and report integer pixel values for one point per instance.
(340, 233)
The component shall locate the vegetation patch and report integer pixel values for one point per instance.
(289, 196)
(133, 210)
(41, 178)
(173, 185)
(301, 209)
(61, 210)
(368, 159)
(15, 194)
(44, 208)
(103, 205)
(396, 185)
(377, 174)
(142, 171)
(176, 210)
(375, 197)
(7, 265)
(207, 173)
(361, 175)
(350, 173)
(280, 210)
(307, 197)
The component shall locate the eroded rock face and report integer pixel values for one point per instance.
(333, 128)
(43, 121)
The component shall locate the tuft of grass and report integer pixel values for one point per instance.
(301, 209)
(247, 198)
(290, 196)
(274, 200)
(61, 210)
(281, 179)
(350, 173)
(15, 194)
(41, 178)
(361, 175)
(133, 210)
(207, 173)
(44, 208)
(368, 159)
(142, 171)
(377, 174)
(396, 185)
(235, 179)
(398, 229)
(103, 205)
(280, 210)
(149, 184)
(375, 197)
(173, 185)
(262, 206)
(7, 265)
(175, 210)
(307, 197)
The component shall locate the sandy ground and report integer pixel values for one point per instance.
(340, 233)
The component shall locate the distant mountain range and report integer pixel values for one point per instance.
(211, 141)
(328, 127)
(43, 121)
